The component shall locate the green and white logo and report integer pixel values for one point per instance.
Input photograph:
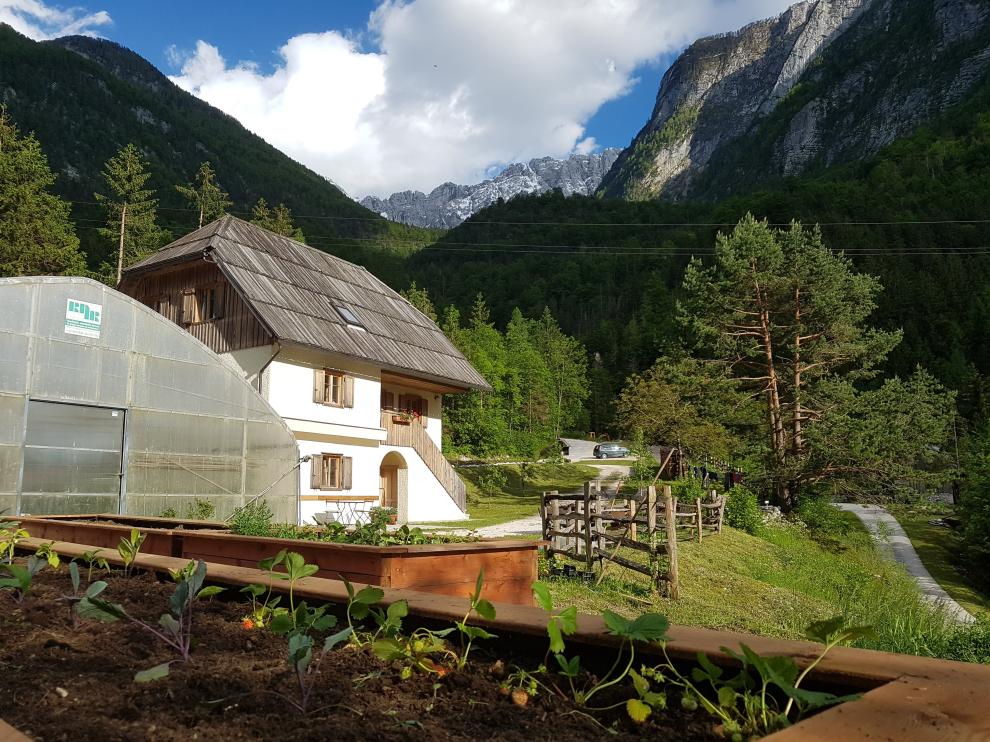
(83, 318)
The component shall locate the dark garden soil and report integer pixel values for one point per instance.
(65, 682)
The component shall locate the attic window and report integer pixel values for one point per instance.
(347, 314)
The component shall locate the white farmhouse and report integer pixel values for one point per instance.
(357, 373)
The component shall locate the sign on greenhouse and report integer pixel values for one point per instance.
(83, 318)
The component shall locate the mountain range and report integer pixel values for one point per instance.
(449, 204)
(824, 83)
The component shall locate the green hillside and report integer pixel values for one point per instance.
(85, 98)
(915, 215)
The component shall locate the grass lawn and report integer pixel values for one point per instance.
(775, 585)
(497, 494)
(937, 546)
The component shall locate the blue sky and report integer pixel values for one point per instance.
(251, 31)
(389, 95)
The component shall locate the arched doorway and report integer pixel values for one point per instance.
(393, 477)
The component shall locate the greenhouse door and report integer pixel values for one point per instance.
(73, 457)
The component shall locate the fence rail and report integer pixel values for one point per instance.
(592, 527)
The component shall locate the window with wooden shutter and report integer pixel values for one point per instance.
(190, 307)
(330, 471)
(388, 400)
(332, 388)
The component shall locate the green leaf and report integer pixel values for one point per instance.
(556, 639)
(152, 673)
(100, 610)
(74, 576)
(255, 590)
(477, 584)
(708, 670)
(444, 632)
(282, 624)
(541, 591)
(335, 639)
(398, 609)
(169, 623)
(95, 588)
(300, 652)
(476, 632)
(568, 620)
(324, 623)
(209, 592)
(726, 697)
(637, 710)
(569, 667)
(388, 650)
(641, 684)
(369, 595)
(485, 609)
(650, 627)
(618, 625)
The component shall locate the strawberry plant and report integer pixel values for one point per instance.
(174, 627)
(93, 559)
(48, 553)
(10, 534)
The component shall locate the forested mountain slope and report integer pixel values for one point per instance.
(86, 98)
(915, 215)
(826, 82)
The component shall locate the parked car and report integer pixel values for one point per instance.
(610, 451)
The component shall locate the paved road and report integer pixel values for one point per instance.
(898, 545)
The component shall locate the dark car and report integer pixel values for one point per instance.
(610, 451)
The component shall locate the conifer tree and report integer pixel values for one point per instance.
(36, 236)
(420, 298)
(277, 220)
(205, 194)
(131, 208)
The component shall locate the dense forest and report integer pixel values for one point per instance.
(610, 270)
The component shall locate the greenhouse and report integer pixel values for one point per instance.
(107, 407)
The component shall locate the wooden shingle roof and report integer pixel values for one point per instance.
(295, 291)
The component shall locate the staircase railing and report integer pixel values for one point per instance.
(413, 435)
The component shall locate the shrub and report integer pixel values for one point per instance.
(492, 480)
(254, 519)
(201, 510)
(821, 517)
(969, 643)
(742, 510)
(688, 490)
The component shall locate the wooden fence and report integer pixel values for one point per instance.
(592, 527)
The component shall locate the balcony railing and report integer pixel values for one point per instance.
(413, 435)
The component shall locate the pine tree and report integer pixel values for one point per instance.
(36, 236)
(131, 208)
(277, 220)
(420, 298)
(205, 195)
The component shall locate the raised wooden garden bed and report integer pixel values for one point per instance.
(905, 698)
(449, 569)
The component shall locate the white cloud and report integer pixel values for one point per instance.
(40, 21)
(454, 86)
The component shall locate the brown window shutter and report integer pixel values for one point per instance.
(319, 385)
(388, 400)
(403, 402)
(347, 476)
(316, 471)
(348, 391)
(188, 306)
(218, 301)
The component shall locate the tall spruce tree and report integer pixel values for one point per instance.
(420, 298)
(132, 218)
(205, 194)
(36, 236)
(277, 220)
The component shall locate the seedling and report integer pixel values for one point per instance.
(175, 627)
(263, 610)
(75, 596)
(49, 554)
(359, 606)
(92, 559)
(480, 607)
(129, 548)
(295, 569)
(743, 702)
(10, 534)
(21, 576)
(301, 661)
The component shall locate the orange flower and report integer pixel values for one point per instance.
(247, 623)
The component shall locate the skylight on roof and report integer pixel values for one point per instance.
(347, 314)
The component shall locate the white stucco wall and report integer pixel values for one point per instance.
(355, 432)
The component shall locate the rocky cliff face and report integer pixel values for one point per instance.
(827, 81)
(450, 204)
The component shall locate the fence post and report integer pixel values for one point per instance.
(599, 523)
(721, 512)
(554, 518)
(651, 530)
(697, 515)
(588, 548)
(672, 575)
